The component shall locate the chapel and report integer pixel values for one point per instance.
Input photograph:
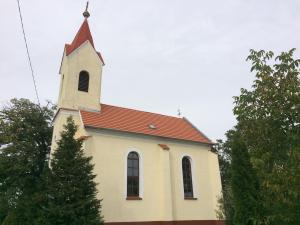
(151, 168)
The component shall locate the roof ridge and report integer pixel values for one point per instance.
(142, 111)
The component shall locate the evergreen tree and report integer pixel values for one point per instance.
(25, 139)
(72, 190)
(244, 185)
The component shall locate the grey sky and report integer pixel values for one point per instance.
(160, 55)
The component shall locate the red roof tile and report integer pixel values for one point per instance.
(83, 34)
(135, 121)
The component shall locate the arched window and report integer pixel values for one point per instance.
(133, 174)
(187, 177)
(83, 83)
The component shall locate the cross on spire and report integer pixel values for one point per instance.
(179, 113)
(86, 13)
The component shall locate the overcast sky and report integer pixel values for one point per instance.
(160, 55)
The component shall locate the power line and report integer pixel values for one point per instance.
(28, 55)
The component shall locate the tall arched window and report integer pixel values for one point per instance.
(83, 83)
(133, 174)
(187, 177)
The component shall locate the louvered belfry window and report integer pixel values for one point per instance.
(187, 177)
(83, 83)
(133, 174)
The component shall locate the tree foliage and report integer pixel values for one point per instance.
(226, 209)
(268, 125)
(269, 121)
(244, 184)
(72, 191)
(25, 139)
(30, 192)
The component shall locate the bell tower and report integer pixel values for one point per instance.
(81, 72)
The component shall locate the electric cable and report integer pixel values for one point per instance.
(28, 55)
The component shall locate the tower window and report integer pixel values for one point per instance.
(83, 83)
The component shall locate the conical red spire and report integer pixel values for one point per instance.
(82, 35)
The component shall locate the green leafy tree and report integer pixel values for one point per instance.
(268, 130)
(268, 118)
(72, 190)
(244, 184)
(225, 210)
(25, 138)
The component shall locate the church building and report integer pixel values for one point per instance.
(151, 168)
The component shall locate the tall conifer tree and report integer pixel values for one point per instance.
(244, 185)
(72, 190)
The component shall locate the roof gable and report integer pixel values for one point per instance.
(83, 35)
(135, 121)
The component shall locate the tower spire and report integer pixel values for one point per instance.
(86, 13)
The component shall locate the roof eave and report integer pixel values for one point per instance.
(152, 135)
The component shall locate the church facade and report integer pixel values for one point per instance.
(151, 168)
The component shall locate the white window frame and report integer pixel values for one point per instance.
(141, 172)
(193, 171)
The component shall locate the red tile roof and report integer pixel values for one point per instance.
(83, 34)
(135, 121)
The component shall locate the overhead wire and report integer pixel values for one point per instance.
(28, 55)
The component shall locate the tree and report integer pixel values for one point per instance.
(265, 142)
(72, 190)
(25, 138)
(226, 209)
(268, 118)
(244, 185)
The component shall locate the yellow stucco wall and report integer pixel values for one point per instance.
(206, 182)
(161, 175)
(59, 122)
(83, 58)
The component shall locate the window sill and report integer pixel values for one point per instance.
(190, 198)
(133, 198)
